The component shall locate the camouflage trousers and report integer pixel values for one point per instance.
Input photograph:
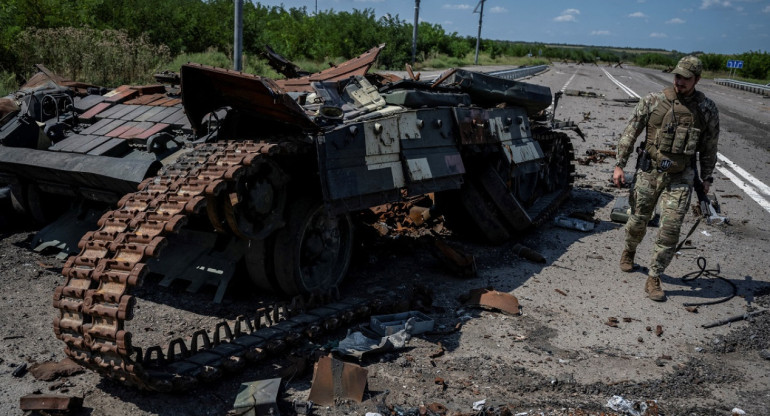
(674, 192)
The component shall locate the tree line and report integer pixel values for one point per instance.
(77, 36)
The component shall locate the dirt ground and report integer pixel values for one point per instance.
(585, 335)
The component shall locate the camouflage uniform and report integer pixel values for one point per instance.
(673, 189)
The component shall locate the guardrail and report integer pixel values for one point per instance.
(519, 72)
(746, 86)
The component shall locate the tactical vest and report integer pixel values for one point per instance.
(673, 132)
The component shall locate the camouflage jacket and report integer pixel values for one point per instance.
(707, 146)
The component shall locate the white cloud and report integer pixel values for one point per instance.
(498, 9)
(567, 16)
(766, 9)
(705, 4)
(675, 20)
(658, 35)
(637, 14)
(457, 6)
(600, 32)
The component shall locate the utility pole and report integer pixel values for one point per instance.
(414, 30)
(238, 35)
(480, 10)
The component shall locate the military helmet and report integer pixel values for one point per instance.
(688, 67)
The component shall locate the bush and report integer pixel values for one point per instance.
(108, 57)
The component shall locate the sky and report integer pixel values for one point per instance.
(711, 26)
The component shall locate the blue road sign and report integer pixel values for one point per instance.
(734, 64)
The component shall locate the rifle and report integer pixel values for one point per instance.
(706, 209)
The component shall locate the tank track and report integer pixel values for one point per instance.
(96, 301)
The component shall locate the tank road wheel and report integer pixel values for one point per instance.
(257, 265)
(559, 155)
(42, 208)
(313, 251)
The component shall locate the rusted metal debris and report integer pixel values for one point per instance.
(50, 370)
(528, 253)
(460, 263)
(581, 93)
(50, 403)
(334, 379)
(596, 156)
(356, 66)
(493, 300)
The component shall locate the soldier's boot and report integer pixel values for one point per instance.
(627, 261)
(653, 289)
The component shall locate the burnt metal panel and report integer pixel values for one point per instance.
(71, 142)
(138, 111)
(86, 147)
(121, 111)
(88, 102)
(122, 129)
(357, 66)
(206, 89)
(173, 116)
(152, 130)
(149, 113)
(167, 111)
(118, 175)
(111, 110)
(96, 126)
(112, 125)
(145, 99)
(139, 128)
(91, 113)
(472, 124)
(111, 147)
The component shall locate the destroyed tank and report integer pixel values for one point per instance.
(222, 166)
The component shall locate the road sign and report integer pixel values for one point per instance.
(734, 64)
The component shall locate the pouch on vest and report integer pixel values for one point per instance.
(692, 141)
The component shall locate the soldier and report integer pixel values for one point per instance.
(680, 122)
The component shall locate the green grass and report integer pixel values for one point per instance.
(7, 83)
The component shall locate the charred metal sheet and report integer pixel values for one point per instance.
(162, 114)
(472, 123)
(281, 64)
(93, 111)
(45, 77)
(258, 398)
(335, 379)
(111, 147)
(154, 110)
(258, 98)
(146, 99)
(120, 177)
(489, 91)
(49, 402)
(88, 102)
(7, 106)
(356, 66)
(121, 94)
(493, 300)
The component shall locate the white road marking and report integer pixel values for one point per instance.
(741, 178)
(628, 91)
(745, 187)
